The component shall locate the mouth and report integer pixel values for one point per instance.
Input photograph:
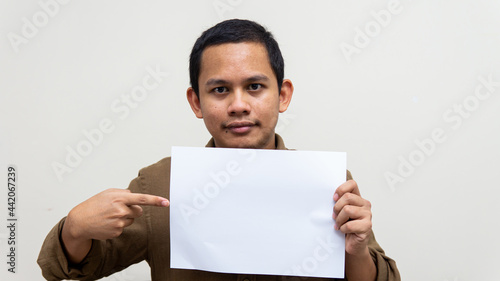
(240, 127)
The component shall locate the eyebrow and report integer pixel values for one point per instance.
(255, 78)
(213, 81)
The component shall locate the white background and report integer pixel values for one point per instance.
(439, 222)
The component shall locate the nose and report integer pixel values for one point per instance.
(239, 104)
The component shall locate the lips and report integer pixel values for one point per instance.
(240, 127)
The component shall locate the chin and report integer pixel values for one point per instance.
(239, 142)
(252, 140)
(246, 143)
(242, 145)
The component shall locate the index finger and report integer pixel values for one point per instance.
(145, 199)
(349, 186)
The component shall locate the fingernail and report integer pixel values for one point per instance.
(334, 215)
(165, 203)
(335, 197)
(336, 227)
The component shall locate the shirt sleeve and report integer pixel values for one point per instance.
(105, 256)
(386, 267)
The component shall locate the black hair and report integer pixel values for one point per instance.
(235, 31)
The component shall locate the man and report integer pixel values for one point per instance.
(237, 87)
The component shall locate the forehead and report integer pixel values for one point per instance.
(235, 58)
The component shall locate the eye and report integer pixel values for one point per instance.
(220, 90)
(255, 87)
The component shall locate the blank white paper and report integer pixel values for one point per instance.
(256, 211)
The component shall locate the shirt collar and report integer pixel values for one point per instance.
(280, 144)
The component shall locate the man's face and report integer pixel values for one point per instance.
(239, 99)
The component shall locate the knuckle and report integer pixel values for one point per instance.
(354, 183)
(142, 199)
(336, 208)
(120, 224)
(349, 197)
(369, 215)
(121, 212)
(348, 209)
(347, 227)
(117, 233)
(128, 222)
(368, 203)
(349, 184)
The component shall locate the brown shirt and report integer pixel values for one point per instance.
(148, 239)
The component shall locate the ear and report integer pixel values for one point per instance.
(285, 95)
(194, 102)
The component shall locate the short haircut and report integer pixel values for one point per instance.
(235, 31)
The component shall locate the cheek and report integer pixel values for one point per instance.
(213, 115)
(215, 112)
(270, 115)
(210, 109)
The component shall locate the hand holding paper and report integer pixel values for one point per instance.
(353, 216)
(355, 221)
